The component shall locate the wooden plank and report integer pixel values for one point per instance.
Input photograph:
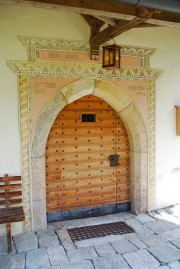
(6, 219)
(83, 125)
(53, 158)
(86, 140)
(98, 121)
(53, 141)
(89, 191)
(120, 131)
(81, 183)
(53, 176)
(78, 206)
(72, 114)
(70, 175)
(52, 150)
(123, 187)
(122, 147)
(54, 132)
(54, 204)
(11, 210)
(53, 167)
(123, 197)
(84, 132)
(81, 191)
(91, 164)
(14, 214)
(90, 148)
(121, 139)
(177, 121)
(10, 202)
(9, 239)
(123, 179)
(53, 185)
(9, 219)
(124, 162)
(100, 105)
(88, 182)
(10, 179)
(10, 194)
(83, 157)
(94, 199)
(76, 114)
(10, 187)
(56, 123)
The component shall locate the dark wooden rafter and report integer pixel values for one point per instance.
(103, 8)
(112, 31)
(94, 23)
(95, 26)
(109, 21)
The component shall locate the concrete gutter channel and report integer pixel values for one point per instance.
(154, 244)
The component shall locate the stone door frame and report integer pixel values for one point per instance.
(121, 102)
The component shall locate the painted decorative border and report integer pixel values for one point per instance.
(81, 70)
(24, 123)
(151, 185)
(34, 44)
(56, 43)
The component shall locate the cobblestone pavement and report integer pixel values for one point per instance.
(154, 244)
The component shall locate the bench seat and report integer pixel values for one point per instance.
(11, 214)
(10, 200)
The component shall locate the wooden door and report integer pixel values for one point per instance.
(78, 171)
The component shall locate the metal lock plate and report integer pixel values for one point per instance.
(113, 158)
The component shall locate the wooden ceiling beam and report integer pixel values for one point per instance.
(95, 25)
(109, 21)
(113, 31)
(103, 8)
(93, 21)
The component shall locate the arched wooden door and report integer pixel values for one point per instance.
(81, 179)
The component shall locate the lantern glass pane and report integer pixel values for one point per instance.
(110, 56)
(106, 57)
(117, 57)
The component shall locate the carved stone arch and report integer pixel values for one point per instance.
(121, 102)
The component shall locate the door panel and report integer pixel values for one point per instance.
(78, 171)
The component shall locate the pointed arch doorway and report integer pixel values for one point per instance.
(142, 190)
(87, 162)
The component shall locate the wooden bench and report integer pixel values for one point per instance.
(10, 195)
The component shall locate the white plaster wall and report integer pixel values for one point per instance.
(167, 57)
(25, 21)
(30, 21)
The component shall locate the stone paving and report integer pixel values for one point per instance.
(154, 244)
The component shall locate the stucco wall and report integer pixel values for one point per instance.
(167, 57)
(28, 21)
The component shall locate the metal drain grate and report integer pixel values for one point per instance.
(101, 230)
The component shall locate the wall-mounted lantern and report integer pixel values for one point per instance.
(177, 120)
(111, 57)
